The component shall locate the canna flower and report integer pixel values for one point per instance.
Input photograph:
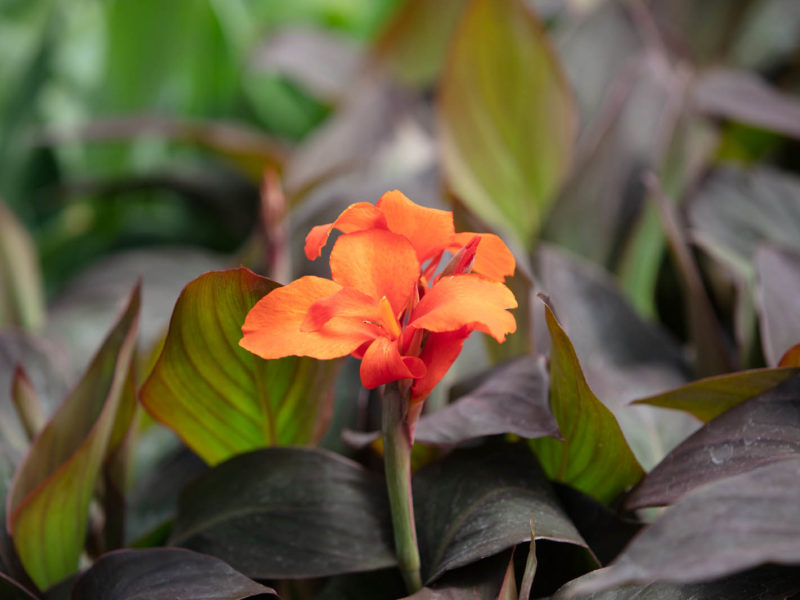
(385, 304)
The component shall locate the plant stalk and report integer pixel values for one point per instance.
(397, 462)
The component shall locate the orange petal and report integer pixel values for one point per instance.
(466, 301)
(272, 328)
(493, 259)
(346, 303)
(439, 352)
(356, 217)
(377, 263)
(429, 230)
(382, 363)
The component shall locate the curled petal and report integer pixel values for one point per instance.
(493, 259)
(356, 217)
(272, 328)
(429, 230)
(439, 352)
(382, 363)
(466, 301)
(377, 263)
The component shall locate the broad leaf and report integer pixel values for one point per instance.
(708, 398)
(475, 503)
(47, 506)
(288, 512)
(623, 356)
(778, 292)
(507, 118)
(11, 590)
(219, 398)
(485, 580)
(593, 456)
(765, 583)
(762, 430)
(512, 399)
(718, 529)
(165, 574)
(743, 97)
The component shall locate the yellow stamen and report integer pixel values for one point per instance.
(388, 317)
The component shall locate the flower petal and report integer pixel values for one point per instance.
(356, 217)
(493, 259)
(439, 352)
(382, 363)
(377, 263)
(429, 230)
(466, 301)
(272, 328)
(346, 303)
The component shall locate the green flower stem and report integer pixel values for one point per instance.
(397, 461)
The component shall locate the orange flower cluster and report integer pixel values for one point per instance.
(385, 304)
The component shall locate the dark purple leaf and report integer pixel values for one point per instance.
(759, 431)
(288, 512)
(11, 590)
(778, 274)
(475, 503)
(718, 529)
(482, 581)
(165, 574)
(743, 97)
(513, 399)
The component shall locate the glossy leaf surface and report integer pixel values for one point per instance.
(695, 539)
(165, 574)
(594, 456)
(763, 429)
(710, 397)
(512, 399)
(477, 502)
(288, 512)
(219, 398)
(507, 117)
(47, 506)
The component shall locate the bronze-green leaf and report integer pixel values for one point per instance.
(48, 503)
(507, 117)
(710, 397)
(219, 398)
(594, 456)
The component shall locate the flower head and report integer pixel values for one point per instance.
(385, 303)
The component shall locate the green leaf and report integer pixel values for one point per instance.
(219, 398)
(49, 498)
(718, 529)
(21, 295)
(475, 503)
(507, 118)
(594, 456)
(165, 574)
(708, 398)
(763, 429)
(288, 512)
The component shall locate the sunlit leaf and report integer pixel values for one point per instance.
(512, 399)
(219, 398)
(696, 540)
(507, 118)
(165, 574)
(593, 456)
(779, 299)
(288, 512)
(49, 499)
(763, 429)
(710, 397)
(477, 502)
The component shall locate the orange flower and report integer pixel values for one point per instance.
(384, 303)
